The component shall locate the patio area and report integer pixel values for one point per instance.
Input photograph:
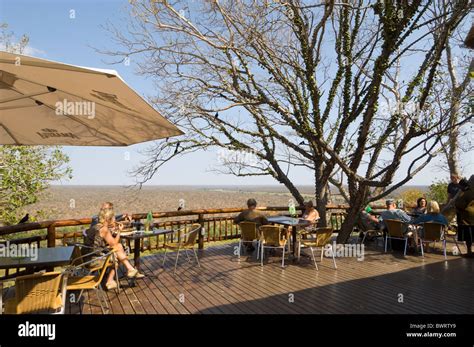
(225, 285)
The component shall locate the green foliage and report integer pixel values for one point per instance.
(410, 196)
(24, 173)
(438, 191)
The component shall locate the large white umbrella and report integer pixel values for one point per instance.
(48, 103)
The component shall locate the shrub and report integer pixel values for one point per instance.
(438, 191)
(410, 196)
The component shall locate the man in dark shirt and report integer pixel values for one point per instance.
(454, 187)
(251, 214)
(465, 214)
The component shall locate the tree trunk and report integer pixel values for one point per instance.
(296, 194)
(321, 193)
(321, 203)
(453, 141)
(282, 178)
(357, 203)
(457, 91)
(348, 224)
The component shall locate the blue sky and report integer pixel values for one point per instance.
(55, 36)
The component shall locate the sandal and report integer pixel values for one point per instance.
(132, 273)
(111, 285)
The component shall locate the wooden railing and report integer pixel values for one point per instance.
(216, 224)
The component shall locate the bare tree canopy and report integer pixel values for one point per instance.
(342, 88)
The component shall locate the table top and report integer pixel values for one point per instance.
(46, 257)
(143, 234)
(288, 221)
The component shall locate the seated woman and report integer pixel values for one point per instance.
(432, 215)
(310, 213)
(120, 217)
(420, 206)
(104, 234)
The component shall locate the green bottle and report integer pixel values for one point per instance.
(292, 208)
(149, 221)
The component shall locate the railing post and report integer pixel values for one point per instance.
(51, 236)
(201, 236)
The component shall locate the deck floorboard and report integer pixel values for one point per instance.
(225, 284)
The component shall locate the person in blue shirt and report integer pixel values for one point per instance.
(432, 215)
(392, 212)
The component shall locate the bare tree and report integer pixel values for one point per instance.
(297, 83)
(452, 93)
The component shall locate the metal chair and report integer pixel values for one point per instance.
(366, 229)
(185, 242)
(452, 232)
(318, 238)
(83, 253)
(38, 293)
(271, 237)
(433, 232)
(92, 282)
(248, 234)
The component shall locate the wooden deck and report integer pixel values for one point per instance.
(226, 285)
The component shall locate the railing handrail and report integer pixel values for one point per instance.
(11, 229)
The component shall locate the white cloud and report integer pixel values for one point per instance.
(29, 50)
(35, 52)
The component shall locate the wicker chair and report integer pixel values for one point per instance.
(186, 241)
(83, 253)
(38, 293)
(248, 234)
(433, 232)
(92, 282)
(271, 236)
(317, 238)
(396, 230)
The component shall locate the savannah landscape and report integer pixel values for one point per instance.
(64, 202)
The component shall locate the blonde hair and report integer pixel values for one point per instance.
(107, 204)
(432, 207)
(106, 215)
